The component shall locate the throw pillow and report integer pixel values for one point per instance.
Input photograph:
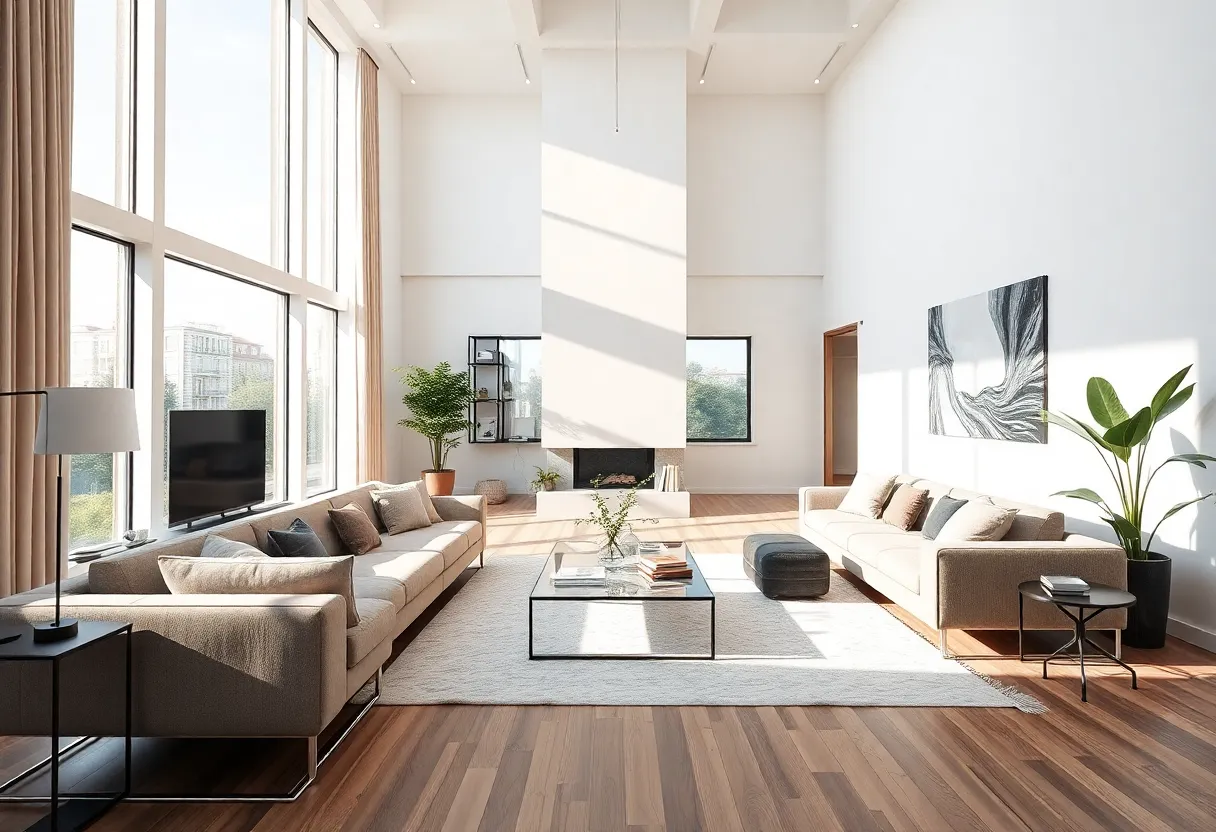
(296, 541)
(943, 511)
(356, 529)
(867, 495)
(401, 510)
(262, 576)
(977, 521)
(215, 546)
(419, 486)
(905, 507)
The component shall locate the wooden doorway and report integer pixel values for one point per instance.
(840, 405)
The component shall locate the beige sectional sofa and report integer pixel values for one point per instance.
(237, 665)
(967, 586)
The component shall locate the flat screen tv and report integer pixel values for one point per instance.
(217, 462)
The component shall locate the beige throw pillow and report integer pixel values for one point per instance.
(262, 576)
(401, 509)
(215, 546)
(905, 507)
(977, 521)
(867, 495)
(419, 486)
(355, 528)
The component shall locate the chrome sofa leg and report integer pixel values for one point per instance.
(941, 637)
(312, 759)
(1119, 644)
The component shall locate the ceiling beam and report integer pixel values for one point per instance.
(703, 19)
(528, 19)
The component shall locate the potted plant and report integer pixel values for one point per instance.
(546, 479)
(438, 401)
(1122, 442)
(613, 521)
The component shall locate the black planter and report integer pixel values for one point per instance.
(1149, 581)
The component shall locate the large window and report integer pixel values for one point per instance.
(224, 345)
(99, 357)
(719, 389)
(321, 419)
(322, 263)
(101, 113)
(225, 124)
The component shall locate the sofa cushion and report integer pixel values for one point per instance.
(215, 546)
(942, 512)
(384, 589)
(358, 532)
(361, 497)
(895, 555)
(401, 509)
(936, 490)
(977, 520)
(262, 576)
(413, 570)
(905, 507)
(841, 528)
(1031, 522)
(445, 537)
(377, 620)
(136, 572)
(296, 541)
(316, 515)
(432, 513)
(471, 529)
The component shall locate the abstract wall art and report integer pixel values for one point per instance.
(988, 364)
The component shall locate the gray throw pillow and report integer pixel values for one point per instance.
(215, 546)
(296, 541)
(401, 510)
(943, 511)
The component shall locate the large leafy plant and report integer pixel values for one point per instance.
(1122, 442)
(438, 401)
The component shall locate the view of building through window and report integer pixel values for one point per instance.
(101, 275)
(223, 340)
(719, 398)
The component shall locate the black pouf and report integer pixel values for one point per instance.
(786, 566)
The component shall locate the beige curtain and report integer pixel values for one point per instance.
(370, 315)
(35, 223)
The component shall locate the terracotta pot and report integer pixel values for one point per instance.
(549, 486)
(439, 483)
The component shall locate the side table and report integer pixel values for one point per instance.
(78, 810)
(1099, 599)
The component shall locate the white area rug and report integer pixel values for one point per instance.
(841, 649)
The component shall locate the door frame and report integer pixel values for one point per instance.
(829, 349)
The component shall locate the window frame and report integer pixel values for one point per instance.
(746, 440)
(335, 231)
(332, 485)
(126, 326)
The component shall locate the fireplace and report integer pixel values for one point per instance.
(618, 467)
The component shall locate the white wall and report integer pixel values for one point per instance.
(391, 224)
(783, 316)
(614, 248)
(844, 405)
(974, 144)
(435, 317)
(470, 185)
(755, 185)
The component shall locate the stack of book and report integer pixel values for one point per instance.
(1063, 584)
(668, 478)
(579, 576)
(657, 567)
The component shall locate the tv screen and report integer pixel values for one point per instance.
(217, 462)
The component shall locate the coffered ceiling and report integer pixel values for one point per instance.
(468, 47)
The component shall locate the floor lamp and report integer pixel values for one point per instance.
(77, 420)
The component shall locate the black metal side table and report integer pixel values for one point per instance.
(78, 809)
(1099, 599)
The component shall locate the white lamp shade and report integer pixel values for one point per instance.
(87, 420)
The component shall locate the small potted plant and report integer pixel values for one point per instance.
(546, 479)
(1122, 442)
(612, 521)
(438, 401)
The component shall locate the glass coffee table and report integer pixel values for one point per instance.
(624, 583)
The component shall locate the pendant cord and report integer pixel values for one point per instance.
(616, 68)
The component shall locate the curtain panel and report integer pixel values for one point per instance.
(35, 227)
(370, 311)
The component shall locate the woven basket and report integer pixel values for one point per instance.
(495, 491)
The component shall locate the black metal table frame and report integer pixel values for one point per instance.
(1080, 638)
(77, 816)
(713, 630)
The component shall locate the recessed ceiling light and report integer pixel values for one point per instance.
(523, 65)
(816, 80)
(412, 81)
(375, 25)
(702, 81)
(855, 25)
(705, 66)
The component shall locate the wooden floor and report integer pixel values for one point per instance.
(1143, 760)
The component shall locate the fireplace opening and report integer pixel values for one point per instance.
(616, 467)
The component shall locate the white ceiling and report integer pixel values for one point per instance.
(468, 47)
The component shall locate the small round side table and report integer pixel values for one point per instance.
(1099, 599)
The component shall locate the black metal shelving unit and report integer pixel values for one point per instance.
(491, 418)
